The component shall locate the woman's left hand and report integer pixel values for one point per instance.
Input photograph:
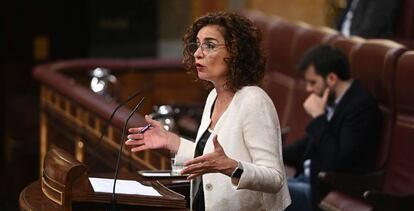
(214, 162)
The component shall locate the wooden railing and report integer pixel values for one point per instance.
(72, 117)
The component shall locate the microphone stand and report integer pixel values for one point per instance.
(120, 152)
(115, 110)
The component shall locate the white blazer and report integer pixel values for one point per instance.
(249, 132)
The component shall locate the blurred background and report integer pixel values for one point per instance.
(35, 32)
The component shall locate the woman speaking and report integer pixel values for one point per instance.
(235, 162)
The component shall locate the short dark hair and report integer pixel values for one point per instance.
(243, 41)
(326, 59)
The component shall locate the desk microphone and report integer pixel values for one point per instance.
(108, 121)
(120, 151)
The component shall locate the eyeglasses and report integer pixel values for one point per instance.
(206, 47)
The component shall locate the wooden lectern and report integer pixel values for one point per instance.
(64, 185)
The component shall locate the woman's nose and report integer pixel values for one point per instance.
(198, 53)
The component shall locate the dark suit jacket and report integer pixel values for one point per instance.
(348, 143)
(372, 18)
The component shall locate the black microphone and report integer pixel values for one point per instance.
(120, 152)
(108, 121)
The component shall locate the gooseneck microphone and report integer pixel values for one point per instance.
(108, 121)
(120, 152)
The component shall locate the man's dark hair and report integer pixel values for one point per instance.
(326, 59)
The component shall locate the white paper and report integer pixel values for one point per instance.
(156, 174)
(122, 186)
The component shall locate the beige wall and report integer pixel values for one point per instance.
(314, 12)
(174, 16)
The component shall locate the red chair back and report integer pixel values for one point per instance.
(298, 118)
(347, 45)
(308, 38)
(400, 172)
(280, 88)
(280, 45)
(373, 63)
(260, 20)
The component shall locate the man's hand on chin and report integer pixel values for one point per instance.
(314, 105)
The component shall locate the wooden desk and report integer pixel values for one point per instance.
(65, 185)
(32, 198)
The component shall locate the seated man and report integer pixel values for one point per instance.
(343, 135)
(369, 18)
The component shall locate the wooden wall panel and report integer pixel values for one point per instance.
(315, 12)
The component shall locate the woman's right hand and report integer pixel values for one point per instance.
(155, 137)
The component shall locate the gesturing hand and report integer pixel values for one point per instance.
(216, 161)
(314, 105)
(154, 138)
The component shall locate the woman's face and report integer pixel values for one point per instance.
(209, 57)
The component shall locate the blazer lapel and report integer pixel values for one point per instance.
(217, 129)
(206, 119)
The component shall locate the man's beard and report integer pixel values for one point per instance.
(331, 99)
(331, 95)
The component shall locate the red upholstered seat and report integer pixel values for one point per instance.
(400, 174)
(280, 88)
(259, 19)
(397, 191)
(373, 63)
(298, 118)
(346, 45)
(280, 45)
(308, 38)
